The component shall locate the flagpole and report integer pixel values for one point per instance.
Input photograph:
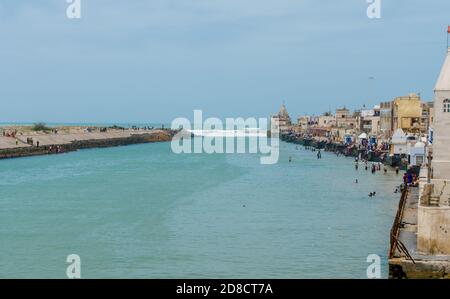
(448, 33)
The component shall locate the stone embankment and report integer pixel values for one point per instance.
(61, 143)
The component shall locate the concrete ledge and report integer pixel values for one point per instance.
(406, 269)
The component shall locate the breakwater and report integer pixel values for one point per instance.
(56, 148)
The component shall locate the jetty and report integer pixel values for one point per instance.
(23, 141)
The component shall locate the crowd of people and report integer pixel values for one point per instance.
(11, 134)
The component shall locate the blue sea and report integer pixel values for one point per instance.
(141, 211)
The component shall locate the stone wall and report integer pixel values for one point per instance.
(433, 230)
(82, 144)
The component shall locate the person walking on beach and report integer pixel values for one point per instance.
(397, 170)
(373, 169)
(319, 155)
(356, 166)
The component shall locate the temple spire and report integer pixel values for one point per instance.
(443, 82)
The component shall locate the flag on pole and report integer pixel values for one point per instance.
(448, 30)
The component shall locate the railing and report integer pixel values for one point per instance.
(395, 242)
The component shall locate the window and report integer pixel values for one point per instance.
(447, 105)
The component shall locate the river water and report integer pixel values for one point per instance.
(141, 211)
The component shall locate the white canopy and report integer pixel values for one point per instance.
(363, 136)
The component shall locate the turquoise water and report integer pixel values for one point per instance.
(141, 211)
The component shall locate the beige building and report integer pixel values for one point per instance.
(344, 119)
(303, 122)
(433, 233)
(407, 113)
(326, 120)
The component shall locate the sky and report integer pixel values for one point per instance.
(156, 60)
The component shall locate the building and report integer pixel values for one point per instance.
(416, 155)
(433, 230)
(407, 113)
(303, 122)
(341, 116)
(399, 144)
(427, 116)
(326, 120)
(386, 120)
(284, 120)
(344, 119)
(369, 120)
(313, 120)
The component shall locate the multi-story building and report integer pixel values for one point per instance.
(344, 119)
(326, 120)
(427, 116)
(386, 120)
(407, 113)
(313, 120)
(369, 120)
(303, 122)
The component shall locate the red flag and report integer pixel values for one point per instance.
(448, 30)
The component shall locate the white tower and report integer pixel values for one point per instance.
(433, 226)
(441, 126)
